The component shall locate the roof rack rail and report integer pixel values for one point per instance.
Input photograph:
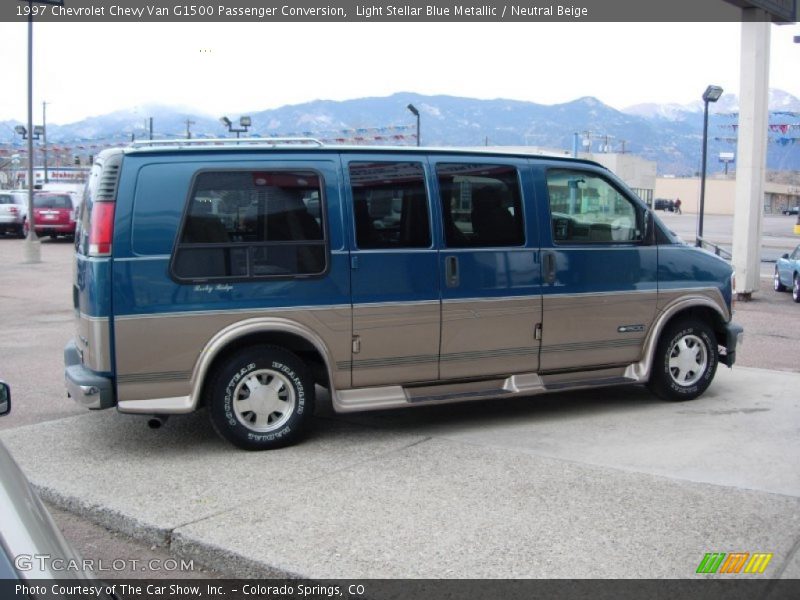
(264, 141)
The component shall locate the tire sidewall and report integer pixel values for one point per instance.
(668, 387)
(776, 282)
(239, 367)
(796, 288)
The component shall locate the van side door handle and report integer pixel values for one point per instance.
(549, 267)
(451, 271)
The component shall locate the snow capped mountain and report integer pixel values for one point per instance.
(668, 133)
(728, 103)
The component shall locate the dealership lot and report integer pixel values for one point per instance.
(535, 487)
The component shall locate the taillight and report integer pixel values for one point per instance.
(13, 210)
(101, 230)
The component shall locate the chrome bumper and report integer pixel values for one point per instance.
(88, 389)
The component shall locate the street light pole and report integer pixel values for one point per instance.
(31, 249)
(712, 94)
(415, 112)
(44, 140)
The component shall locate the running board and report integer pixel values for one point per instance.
(381, 398)
(396, 396)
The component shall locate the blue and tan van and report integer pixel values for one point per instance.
(238, 277)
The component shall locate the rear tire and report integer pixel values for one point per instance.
(261, 398)
(685, 361)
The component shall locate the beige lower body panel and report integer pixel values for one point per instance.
(157, 356)
(590, 330)
(490, 337)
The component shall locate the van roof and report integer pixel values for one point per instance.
(312, 145)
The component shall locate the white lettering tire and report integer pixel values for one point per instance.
(685, 361)
(261, 398)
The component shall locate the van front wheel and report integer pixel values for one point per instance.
(260, 398)
(685, 361)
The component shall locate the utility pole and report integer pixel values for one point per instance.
(189, 123)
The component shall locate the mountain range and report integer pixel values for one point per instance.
(669, 134)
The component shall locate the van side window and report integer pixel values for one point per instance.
(585, 208)
(481, 205)
(390, 205)
(251, 224)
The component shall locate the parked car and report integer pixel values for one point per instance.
(239, 276)
(787, 274)
(54, 214)
(33, 552)
(13, 211)
(664, 204)
(791, 210)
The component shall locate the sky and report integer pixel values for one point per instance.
(86, 69)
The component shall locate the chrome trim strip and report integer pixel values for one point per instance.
(233, 311)
(535, 296)
(154, 377)
(83, 315)
(146, 257)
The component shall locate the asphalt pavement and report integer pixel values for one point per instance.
(605, 483)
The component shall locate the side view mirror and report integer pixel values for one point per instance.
(5, 399)
(786, 255)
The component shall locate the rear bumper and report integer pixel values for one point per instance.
(68, 229)
(734, 334)
(86, 387)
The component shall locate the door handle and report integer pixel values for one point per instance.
(549, 268)
(451, 271)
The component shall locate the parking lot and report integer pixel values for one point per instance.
(535, 487)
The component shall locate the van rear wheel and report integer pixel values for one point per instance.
(261, 398)
(685, 361)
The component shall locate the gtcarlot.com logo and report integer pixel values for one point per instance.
(734, 563)
(46, 562)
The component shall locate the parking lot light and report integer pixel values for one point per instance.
(415, 112)
(244, 125)
(712, 94)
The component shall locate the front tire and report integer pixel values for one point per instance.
(261, 398)
(796, 288)
(776, 282)
(685, 361)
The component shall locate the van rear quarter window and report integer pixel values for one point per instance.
(252, 224)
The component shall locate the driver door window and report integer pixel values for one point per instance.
(587, 209)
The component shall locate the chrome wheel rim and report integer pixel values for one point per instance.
(776, 281)
(688, 360)
(796, 289)
(264, 400)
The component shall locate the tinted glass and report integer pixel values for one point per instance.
(481, 205)
(52, 201)
(6, 199)
(252, 224)
(585, 208)
(390, 205)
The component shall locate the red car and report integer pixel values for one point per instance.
(54, 214)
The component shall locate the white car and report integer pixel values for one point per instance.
(13, 211)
